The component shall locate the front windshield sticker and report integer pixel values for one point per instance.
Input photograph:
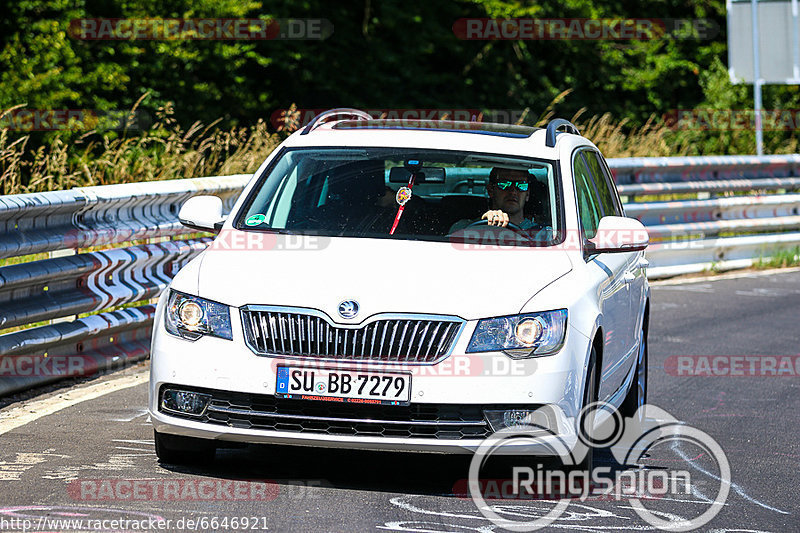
(403, 195)
(255, 220)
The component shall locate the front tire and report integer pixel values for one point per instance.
(586, 419)
(179, 450)
(637, 393)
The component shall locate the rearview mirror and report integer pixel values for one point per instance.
(202, 213)
(426, 175)
(619, 234)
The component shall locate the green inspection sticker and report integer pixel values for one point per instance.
(255, 220)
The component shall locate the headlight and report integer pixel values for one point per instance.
(191, 317)
(526, 335)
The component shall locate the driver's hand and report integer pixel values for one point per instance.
(496, 218)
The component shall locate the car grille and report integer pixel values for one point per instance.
(266, 412)
(407, 338)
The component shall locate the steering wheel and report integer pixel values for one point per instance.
(484, 222)
(513, 227)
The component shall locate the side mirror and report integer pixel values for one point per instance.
(619, 234)
(202, 213)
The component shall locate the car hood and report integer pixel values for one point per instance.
(382, 275)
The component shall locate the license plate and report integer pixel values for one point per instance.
(347, 386)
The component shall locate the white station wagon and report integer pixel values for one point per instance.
(403, 285)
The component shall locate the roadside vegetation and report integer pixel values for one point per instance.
(167, 150)
(782, 258)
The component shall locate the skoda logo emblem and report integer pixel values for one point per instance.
(348, 309)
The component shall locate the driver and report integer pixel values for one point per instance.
(508, 190)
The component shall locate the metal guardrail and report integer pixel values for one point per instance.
(108, 214)
(688, 236)
(710, 232)
(716, 186)
(638, 170)
(41, 355)
(41, 287)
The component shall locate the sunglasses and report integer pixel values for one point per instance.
(520, 185)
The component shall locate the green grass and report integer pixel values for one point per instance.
(781, 258)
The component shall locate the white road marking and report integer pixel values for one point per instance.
(401, 502)
(416, 525)
(13, 470)
(737, 531)
(145, 442)
(770, 292)
(116, 463)
(137, 414)
(739, 490)
(28, 412)
(705, 287)
(574, 519)
(733, 275)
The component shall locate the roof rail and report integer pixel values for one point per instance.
(326, 116)
(552, 130)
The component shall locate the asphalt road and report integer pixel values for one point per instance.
(60, 466)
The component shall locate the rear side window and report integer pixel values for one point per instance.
(604, 192)
(589, 209)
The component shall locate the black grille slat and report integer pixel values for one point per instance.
(389, 340)
(411, 340)
(273, 331)
(444, 340)
(421, 341)
(402, 338)
(319, 333)
(280, 329)
(268, 413)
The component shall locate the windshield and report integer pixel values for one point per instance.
(407, 194)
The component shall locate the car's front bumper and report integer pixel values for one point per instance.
(168, 424)
(475, 380)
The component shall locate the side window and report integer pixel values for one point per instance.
(589, 209)
(606, 195)
(612, 184)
